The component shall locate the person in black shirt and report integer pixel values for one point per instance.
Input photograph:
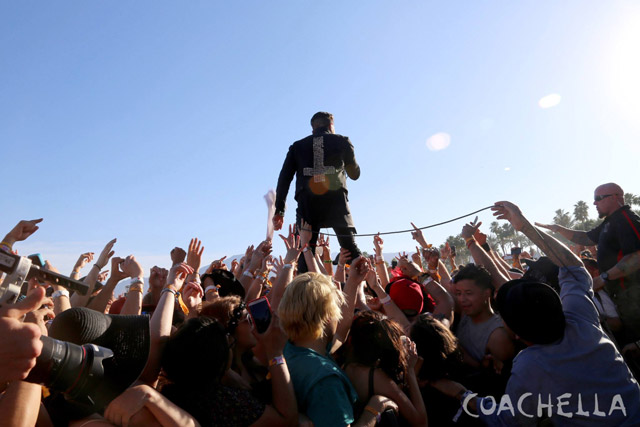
(618, 240)
(321, 163)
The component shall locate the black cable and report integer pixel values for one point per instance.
(405, 231)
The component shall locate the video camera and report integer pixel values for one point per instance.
(20, 269)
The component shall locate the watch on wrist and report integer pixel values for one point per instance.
(604, 276)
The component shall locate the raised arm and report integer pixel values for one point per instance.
(100, 302)
(390, 307)
(576, 236)
(161, 320)
(358, 271)
(480, 256)
(78, 300)
(285, 269)
(556, 251)
(133, 269)
(381, 266)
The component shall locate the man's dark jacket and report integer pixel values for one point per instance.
(321, 163)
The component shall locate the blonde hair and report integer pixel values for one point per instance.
(309, 304)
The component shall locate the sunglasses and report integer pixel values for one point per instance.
(604, 196)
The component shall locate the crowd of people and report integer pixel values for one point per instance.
(352, 341)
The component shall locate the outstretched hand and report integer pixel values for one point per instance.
(106, 254)
(292, 243)
(418, 236)
(468, 230)
(553, 227)
(510, 212)
(194, 256)
(22, 231)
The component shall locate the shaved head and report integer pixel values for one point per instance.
(610, 188)
(611, 199)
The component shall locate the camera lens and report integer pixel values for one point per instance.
(74, 370)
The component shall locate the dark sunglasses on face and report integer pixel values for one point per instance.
(604, 196)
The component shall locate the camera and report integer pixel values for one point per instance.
(77, 371)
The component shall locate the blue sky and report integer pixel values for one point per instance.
(158, 121)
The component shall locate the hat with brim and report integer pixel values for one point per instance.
(127, 336)
(226, 282)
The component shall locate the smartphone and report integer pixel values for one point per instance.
(516, 251)
(36, 259)
(453, 250)
(260, 312)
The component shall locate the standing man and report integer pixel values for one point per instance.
(618, 240)
(321, 163)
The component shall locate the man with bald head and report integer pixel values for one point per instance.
(618, 240)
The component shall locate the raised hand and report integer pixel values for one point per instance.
(432, 256)
(292, 243)
(132, 268)
(85, 258)
(305, 233)
(106, 254)
(510, 212)
(415, 257)
(220, 265)
(177, 255)
(407, 267)
(192, 294)
(194, 256)
(468, 230)
(378, 243)
(344, 256)
(480, 237)
(22, 231)
(116, 269)
(177, 274)
(418, 236)
(103, 275)
(445, 252)
(359, 269)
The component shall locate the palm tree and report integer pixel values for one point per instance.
(563, 218)
(581, 211)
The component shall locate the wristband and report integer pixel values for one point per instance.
(210, 288)
(6, 246)
(135, 289)
(173, 291)
(287, 266)
(374, 412)
(305, 249)
(280, 213)
(60, 293)
(248, 274)
(278, 360)
(462, 396)
(327, 261)
(136, 280)
(96, 265)
(379, 258)
(196, 278)
(386, 300)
